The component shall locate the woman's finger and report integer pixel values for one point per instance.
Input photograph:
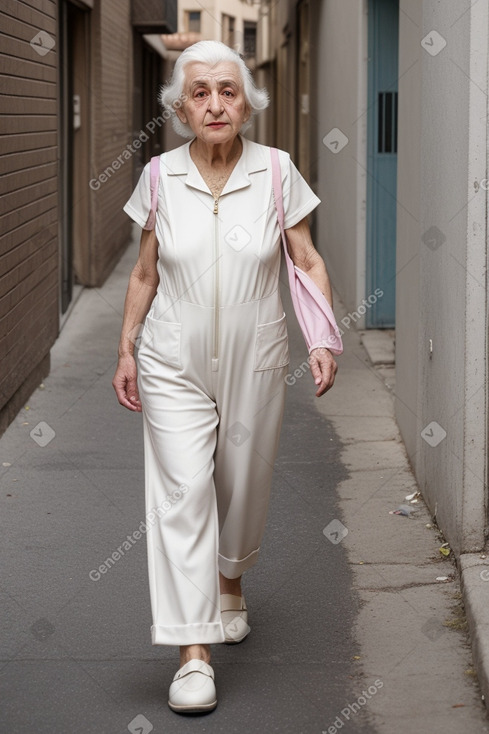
(326, 368)
(127, 395)
(316, 371)
(132, 390)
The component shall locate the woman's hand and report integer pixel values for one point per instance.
(143, 283)
(323, 369)
(307, 258)
(125, 383)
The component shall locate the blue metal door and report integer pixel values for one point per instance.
(383, 45)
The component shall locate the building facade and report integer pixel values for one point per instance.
(79, 117)
(383, 106)
(233, 22)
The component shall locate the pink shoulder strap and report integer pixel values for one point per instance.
(154, 172)
(277, 186)
(279, 204)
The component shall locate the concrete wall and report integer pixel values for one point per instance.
(448, 308)
(341, 55)
(441, 404)
(408, 221)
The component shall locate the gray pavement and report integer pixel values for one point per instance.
(351, 631)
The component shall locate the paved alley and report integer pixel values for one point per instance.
(351, 630)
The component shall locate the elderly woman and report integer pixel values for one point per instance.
(212, 357)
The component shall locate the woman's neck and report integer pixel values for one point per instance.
(220, 155)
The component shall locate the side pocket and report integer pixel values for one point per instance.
(272, 345)
(163, 340)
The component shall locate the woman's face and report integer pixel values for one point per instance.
(215, 107)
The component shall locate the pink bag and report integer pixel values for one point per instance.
(154, 173)
(313, 312)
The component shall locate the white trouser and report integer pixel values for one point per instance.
(211, 433)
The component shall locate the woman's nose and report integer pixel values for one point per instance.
(215, 104)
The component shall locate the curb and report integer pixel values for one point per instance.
(475, 591)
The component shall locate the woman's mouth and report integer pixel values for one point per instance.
(216, 124)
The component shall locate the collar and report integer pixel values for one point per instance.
(254, 158)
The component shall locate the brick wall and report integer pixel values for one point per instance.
(111, 102)
(54, 222)
(28, 206)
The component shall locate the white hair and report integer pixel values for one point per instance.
(171, 95)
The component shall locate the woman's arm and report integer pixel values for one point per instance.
(308, 259)
(141, 291)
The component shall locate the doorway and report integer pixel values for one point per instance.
(383, 47)
(74, 141)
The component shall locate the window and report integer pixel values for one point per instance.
(387, 132)
(249, 39)
(193, 21)
(228, 29)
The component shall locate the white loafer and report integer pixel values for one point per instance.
(234, 617)
(193, 688)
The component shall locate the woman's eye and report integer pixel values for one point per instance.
(200, 94)
(228, 93)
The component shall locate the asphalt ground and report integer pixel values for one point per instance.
(76, 648)
(352, 630)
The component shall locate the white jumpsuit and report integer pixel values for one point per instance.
(211, 365)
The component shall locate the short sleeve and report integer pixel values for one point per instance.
(139, 204)
(299, 199)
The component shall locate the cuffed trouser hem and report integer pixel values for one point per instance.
(233, 569)
(187, 634)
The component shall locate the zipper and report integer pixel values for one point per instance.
(215, 355)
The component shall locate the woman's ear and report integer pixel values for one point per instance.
(180, 112)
